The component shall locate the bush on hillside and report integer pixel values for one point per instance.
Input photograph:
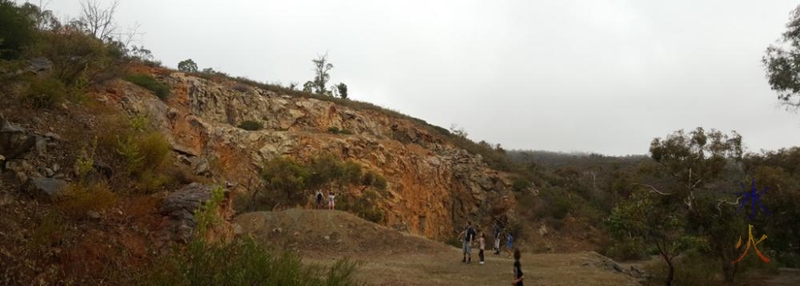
(364, 206)
(144, 156)
(149, 82)
(46, 92)
(81, 198)
(76, 55)
(324, 171)
(250, 125)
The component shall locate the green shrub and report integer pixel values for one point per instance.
(49, 230)
(206, 216)
(324, 171)
(150, 181)
(154, 147)
(520, 185)
(242, 262)
(364, 206)
(336, 130)
(250, 125)
(627, 249)
(143, 153)
(149, 82)
(46, 93)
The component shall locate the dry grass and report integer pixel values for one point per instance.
(393, 258)
(446, 268)
(79, 199)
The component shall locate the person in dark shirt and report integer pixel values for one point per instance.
(469, 236)
(517, 269)
(319, 200)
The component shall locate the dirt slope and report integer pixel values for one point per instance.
(329, 233)
(393, 258)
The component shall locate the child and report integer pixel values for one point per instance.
(509, 243)
(517, 269)
(496, 239)
(482, 242)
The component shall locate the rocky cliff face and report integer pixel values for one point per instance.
(433, 186)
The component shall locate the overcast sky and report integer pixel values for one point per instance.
(596, 76)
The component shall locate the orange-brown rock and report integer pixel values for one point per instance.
(433, 186)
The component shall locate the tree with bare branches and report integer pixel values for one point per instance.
(322, 68)
(98, 20)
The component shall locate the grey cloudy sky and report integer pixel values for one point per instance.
(602, 76)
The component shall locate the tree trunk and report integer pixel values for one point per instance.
(728, 271)
(671, 274)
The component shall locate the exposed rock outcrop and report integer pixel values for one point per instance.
(433, 186)
(180, 206)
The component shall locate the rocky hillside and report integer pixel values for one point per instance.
(433, 186)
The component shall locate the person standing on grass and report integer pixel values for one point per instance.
(469, 235)
(496, 239)
(320, 197)
(517, 269)
(331, 200)
(482, 244)
(509, 243)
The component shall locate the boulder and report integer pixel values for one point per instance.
(14, 140)
(200, 166)
(39, 65)
(49, 186)
(181, 205)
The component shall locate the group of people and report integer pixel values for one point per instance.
(331, 200)
(469, 235)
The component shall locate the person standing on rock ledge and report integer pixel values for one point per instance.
(469, 236)
(331, 200)
(319, 200)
